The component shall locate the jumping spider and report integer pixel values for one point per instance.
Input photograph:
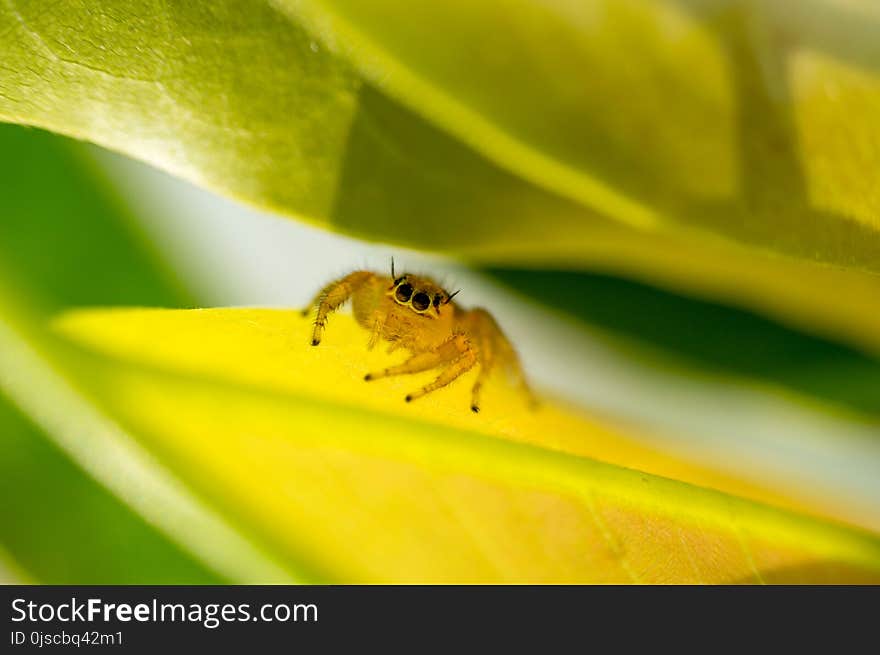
(415, 313)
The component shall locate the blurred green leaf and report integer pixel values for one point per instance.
(64, 241)
(574, 127)
(728, 116)
(62, 527)
(708, 337)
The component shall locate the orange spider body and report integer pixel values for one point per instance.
(415, 313)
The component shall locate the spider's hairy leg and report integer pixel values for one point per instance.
(486, 360)
(378, 320)
(457, 352)
(333, 296)
(374, 334)
(485, 331)
(495, 348)
(456, 368)
(447, 351)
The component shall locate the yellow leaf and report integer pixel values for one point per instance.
(350, 483)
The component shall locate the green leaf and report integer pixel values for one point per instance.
(66, 239)
(571, 146)
(47, 497)
(238, 403)
(726, 117)
(73, 244)
(705, 337)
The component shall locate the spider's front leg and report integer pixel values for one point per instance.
(332, 297)
(457, 368)
(456, 352)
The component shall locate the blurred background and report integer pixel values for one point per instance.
(716, 385)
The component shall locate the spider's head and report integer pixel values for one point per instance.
(420, 294)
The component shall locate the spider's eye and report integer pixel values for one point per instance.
(437, 300)
(421, 301)
(403, 293)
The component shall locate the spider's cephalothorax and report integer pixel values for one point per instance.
(415, 313)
